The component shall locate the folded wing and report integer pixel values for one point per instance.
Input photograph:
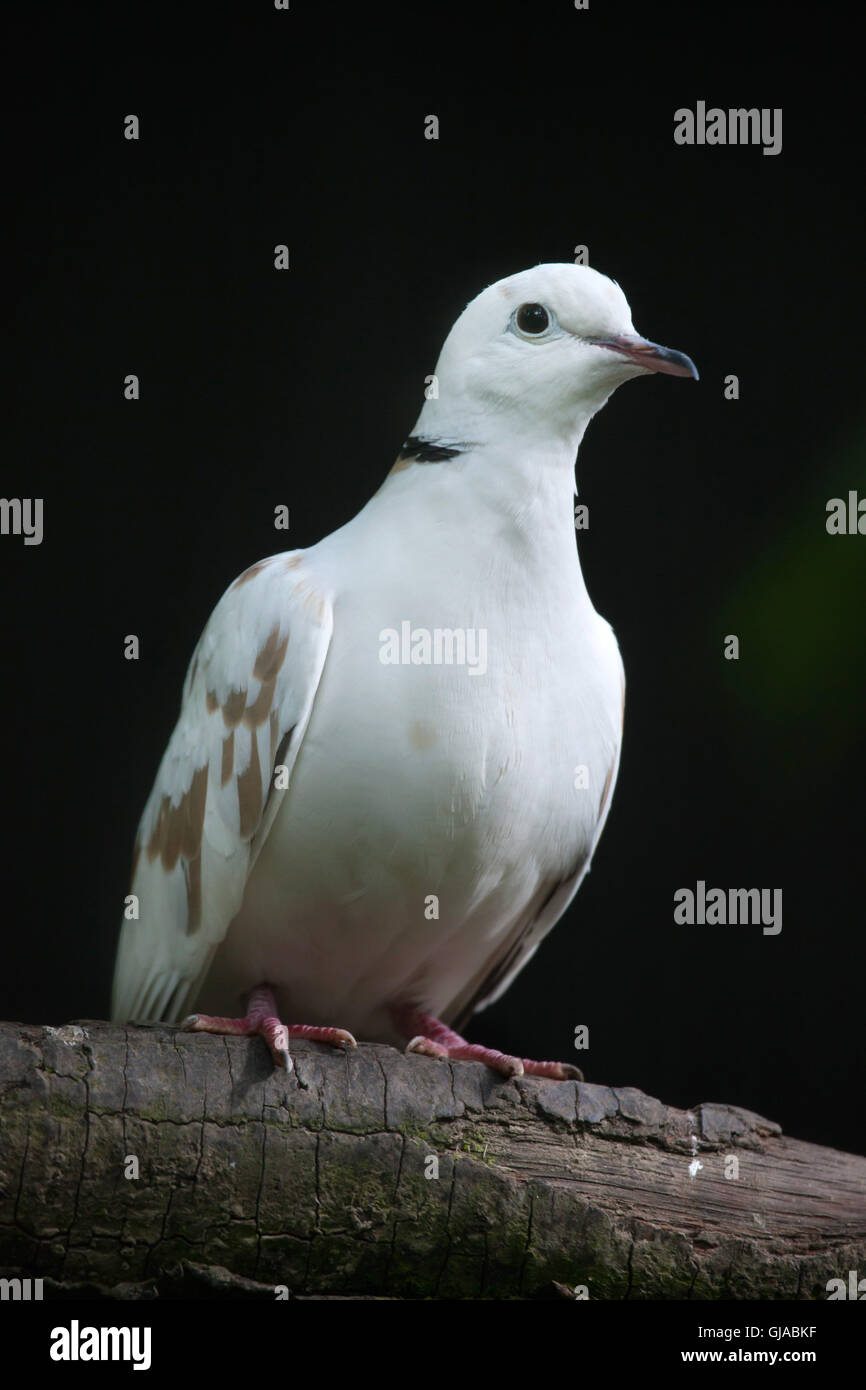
(247, 700)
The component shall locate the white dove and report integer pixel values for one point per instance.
(396, 750)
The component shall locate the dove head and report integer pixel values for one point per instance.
(537, 354)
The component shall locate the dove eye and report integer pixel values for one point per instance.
(532, 318)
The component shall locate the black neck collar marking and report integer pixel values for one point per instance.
(428, 450)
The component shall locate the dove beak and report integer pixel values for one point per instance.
(651, 356)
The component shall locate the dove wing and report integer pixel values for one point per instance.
(551, 902)
(246, 704)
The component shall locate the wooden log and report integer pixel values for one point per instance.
(137, 1161)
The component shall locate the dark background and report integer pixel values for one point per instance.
(707, 516)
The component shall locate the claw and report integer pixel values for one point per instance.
(509, 1066)
(556, 1071)
(425, 1047)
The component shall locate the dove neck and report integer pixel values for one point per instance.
(508, 465)
(518, 434)
(519, 497)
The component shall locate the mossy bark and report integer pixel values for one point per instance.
(145, 1161)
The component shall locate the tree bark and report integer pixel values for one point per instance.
(142, 1161)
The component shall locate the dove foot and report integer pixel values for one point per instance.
(261, 1020)
(435, 1039)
